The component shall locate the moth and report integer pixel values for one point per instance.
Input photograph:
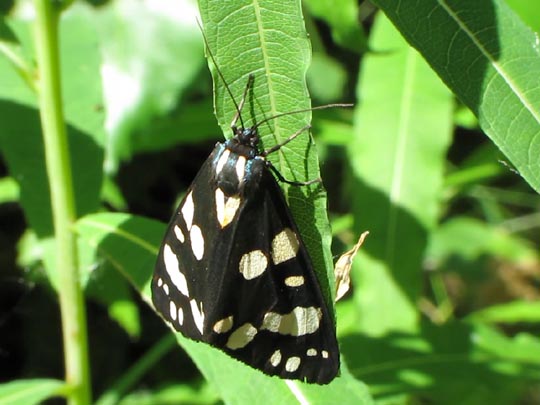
(233, 272)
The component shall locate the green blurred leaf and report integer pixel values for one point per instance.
(470, 238)
(193, 123)
(22, 147)
(528, 11)
(152, 56)
(20, 128)
(449, 364)
(173, 394)
(403, 128)
(342, 17)
(13, 62)
(481, 165)
(29, 392)
(46, 249)
(9, 190)
(511, 312)
(490, 60)
(108, 287)
(7, 36)
(269, 40)
(326, 79)
(523, 348)
(80, 67)
(464, 117)
(131, 245)
(333, 132)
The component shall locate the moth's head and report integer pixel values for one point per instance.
(247, 136)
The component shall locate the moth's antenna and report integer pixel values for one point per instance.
(321, 107)
(241, 105)
(238, 111)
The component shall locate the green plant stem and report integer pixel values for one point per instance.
(63, 202)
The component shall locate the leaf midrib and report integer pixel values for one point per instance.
(498, 68)
(400, 153)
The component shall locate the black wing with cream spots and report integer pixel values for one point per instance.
(233, 272)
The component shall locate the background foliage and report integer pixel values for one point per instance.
(439, 160)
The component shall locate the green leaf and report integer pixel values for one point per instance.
(81, 83)
(511, 312)
(522, 348)
(109, 288)
(172, 394)
(9, 190)
(403, 128)
(29, 392)
(268, 39)
(7, 36)
(20, 128)
(22, 147)
(447, 364)
(470, 239)
(342, 17)
(16, 75)
(326, 79)
(224, 373)
(131, 245)
(528, 11)
(148, 67)
(490, 59)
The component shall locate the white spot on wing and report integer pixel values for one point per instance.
(311, 352)
(188, 209)
(220, 206)
(324, 354)
(197, 242)
(284, 246)
(253, 264)
(180, 316)
(231, 206)
(240, 168)
(222, 160)
(166, 289)
(294, 281)
(173, 270)
(179, 234)
(301, 321)
(160, 282)
(226, 207)
(241, 336)
(292, 364)
(172, 310)
(223, 325)
(198, 315)
(275, 359)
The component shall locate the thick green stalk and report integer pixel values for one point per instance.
(63, 202)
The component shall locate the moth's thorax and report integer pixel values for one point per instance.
(237, 166)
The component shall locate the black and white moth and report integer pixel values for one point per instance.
(232, 270)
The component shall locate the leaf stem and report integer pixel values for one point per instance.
(63, 202)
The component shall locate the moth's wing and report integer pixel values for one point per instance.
(180, 280)
(269, 297)
(223, 284)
